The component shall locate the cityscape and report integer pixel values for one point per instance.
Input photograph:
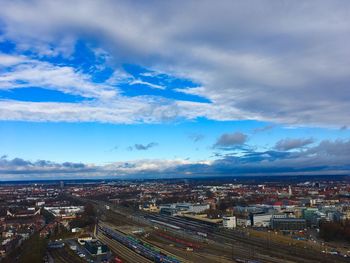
(182, 220)
(174, 131)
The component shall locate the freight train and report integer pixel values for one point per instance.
(178, 240)
(139, 247)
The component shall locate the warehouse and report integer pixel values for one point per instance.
(95, 247)
(288, 224)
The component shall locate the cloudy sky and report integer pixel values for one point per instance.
(115, 88)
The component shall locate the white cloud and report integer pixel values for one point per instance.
(120, 110)
(151, 85)
(24, 72)
(119, 76)
(275, 61)
(8, 60)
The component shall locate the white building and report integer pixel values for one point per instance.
(229, 222)
(261, 220)
(64, 211)
(185, 207)
(243, 222)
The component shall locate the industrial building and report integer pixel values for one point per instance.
(229, 222)
(243, 222)
(95, 247)
(171, 209)
(288, 224)
(260, 220)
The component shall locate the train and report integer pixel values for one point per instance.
(118, 260)
(139, 247)
(165, 224)
(198, 228)
(178, 240)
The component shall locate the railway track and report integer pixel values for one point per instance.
(106, 224)
(260, 249)
(61, 256)
(127, 254)
(250, 247)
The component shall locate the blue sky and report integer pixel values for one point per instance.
(116, 89)
(105, 143)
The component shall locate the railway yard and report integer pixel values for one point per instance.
(62, 255)
(190, 241)
(144, 237)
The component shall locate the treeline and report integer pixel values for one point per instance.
(88, 218)
(330, 231)
(31, 251)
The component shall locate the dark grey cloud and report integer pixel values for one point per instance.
(195, 137)
(143, 147)
(73, 165)
(21, 166)
(43, 163)
(231, 140)
(290, 144)
(113, 149)
(264, 128)
(327, 157)
(332, 148)
(19, 162)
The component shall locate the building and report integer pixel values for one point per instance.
(65, 212)
(243, 222)
(308, 213)
(229, 222)
(260, 220)
(169, 211)
(313, 216)
(24, 214)
(172, 209)
(84, 238)
(288, 224)
(95, 247)
(149, 207)
(55, 244)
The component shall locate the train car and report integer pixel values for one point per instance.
(139, 247)
(178, 240)
(165, 224)
(118, 260)
(202, 234)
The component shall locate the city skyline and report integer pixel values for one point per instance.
(173, 88)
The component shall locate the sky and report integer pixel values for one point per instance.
(110, 89)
